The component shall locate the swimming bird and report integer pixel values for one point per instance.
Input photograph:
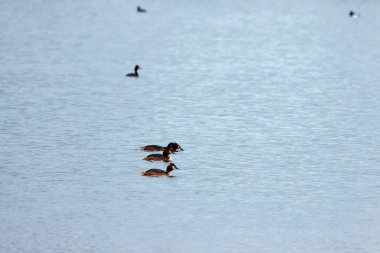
(172, 146)
(136, 74)
(165, 157)
(353, 14)
(158, 172)
(139, 9)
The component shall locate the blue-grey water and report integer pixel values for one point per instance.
(276, 104)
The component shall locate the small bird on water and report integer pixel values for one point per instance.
(353, 14)
(158, 172)
(141, 10)
(165, 157)
(172, 146)
(135, 74)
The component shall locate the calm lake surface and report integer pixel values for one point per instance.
(276, 104)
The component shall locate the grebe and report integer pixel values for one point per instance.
(158, 172)
(158, 157)
(172, 146)
(353, 14)
(137, 67)
(139, 9)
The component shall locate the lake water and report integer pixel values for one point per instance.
(276, 104)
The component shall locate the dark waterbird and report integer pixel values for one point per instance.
(172, 146)
(353, 14)
(158, 172)
(141, 10)
(165, 157)
(135, 74)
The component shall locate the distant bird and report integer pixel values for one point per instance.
(165, 157)
(137, 67)
(158, 172)
(139, 9)
(353, 14)
(172, 146)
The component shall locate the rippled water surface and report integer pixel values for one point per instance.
(276, 104)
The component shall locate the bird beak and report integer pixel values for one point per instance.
(180, 148)
(176, 167)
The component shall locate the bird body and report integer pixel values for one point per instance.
(353, 14)
(134, 74)
(165, 157)
(158, 172)
(141, 10)
(172, 146)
